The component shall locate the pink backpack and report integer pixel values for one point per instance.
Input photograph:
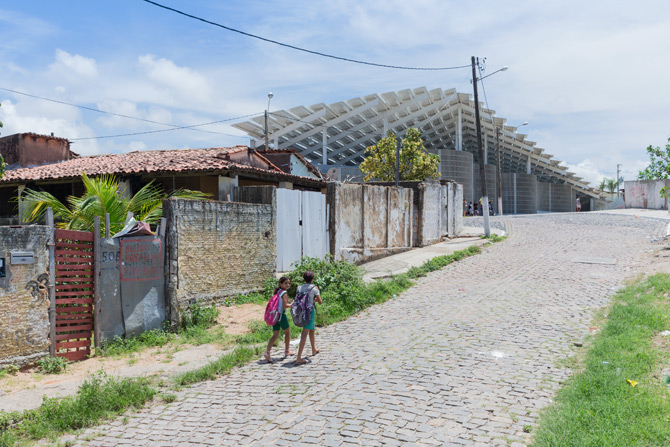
(272, 314)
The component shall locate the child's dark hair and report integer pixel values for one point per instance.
(282, 280)
(308, 276)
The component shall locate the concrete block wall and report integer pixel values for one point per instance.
(216, 249)
(454, 209)
(24, 297)
(431, 223)
(368, 221)
(457, 166)
(543, 197)
(491, 184)
(562, 198)
(527, 192)
(645, 194)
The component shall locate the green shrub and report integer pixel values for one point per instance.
(200, 316)
(52, 365)
(148, 339)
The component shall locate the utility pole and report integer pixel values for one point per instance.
(617, 181)
(397, 163)
(482, 167)
(267, 137)
(500, 207)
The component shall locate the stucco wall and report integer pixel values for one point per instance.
(368, 222)
(24, 300)
(216, 249)
(432, 225)
(645, 194)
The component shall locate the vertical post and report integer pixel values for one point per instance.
(96, 286)
(500, 207)
(397, 162)
(617, 180)
(529, 168)
(459, 142)
(267, 136)
(516, 211)
(51, 287)
(324, 146)
(482, 166)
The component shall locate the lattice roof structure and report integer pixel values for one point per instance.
(338, 133)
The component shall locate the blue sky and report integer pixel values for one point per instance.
(589, 77)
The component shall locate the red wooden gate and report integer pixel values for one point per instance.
(74, 293)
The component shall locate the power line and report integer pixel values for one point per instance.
(293, 47)
(106, 112)
(171, 129)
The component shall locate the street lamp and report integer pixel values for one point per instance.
(498, 130)
(267, 112)
(482, 167)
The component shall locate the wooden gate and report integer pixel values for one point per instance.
(302, 227)
(74, 262)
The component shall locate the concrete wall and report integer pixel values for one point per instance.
(491, 184)
(555, 197)
(431, 225)
(454, 209)
(527, 190)
(24, 300)
(216, 249)
(457, 166)
(368, 222)
(645, 194)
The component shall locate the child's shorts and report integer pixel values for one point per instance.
(282, 323)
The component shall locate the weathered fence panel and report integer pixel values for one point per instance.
(74, 293)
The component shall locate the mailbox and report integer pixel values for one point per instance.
(22, 257)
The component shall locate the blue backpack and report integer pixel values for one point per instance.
(301, 311)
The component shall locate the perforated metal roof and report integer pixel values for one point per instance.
(338, 133)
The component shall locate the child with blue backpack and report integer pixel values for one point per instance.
(313, 296)
(284, 285)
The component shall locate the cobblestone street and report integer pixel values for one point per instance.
(468, 356)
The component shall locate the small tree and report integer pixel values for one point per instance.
(612, 185)
(603, 184)
(101, 196)
(659, 165)
(415, 162)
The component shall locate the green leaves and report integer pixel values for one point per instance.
(103, 194)
(415, 162)
(659, 165)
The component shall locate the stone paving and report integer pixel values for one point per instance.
(467, 357)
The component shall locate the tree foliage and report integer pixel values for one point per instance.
(659, 164)
(415, 162)
(101, 196)
(612, 185)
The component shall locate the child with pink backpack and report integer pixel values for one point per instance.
(275, 315)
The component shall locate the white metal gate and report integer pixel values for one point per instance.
(302, 226)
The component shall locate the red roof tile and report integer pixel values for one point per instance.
(145, 162)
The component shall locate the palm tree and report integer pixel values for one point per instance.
(101, 196)
(612, 185)
(603, 184)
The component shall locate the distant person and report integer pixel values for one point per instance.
(578, 204)
(284, 285)
(491, 208)
(476, 209)
(471, 211)
(465, 208)
(313, 297)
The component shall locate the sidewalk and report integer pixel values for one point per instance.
(402, 262)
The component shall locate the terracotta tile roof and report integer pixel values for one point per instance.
(147, 162)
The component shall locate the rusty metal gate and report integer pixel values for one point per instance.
(74, 281)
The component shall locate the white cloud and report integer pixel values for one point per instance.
(67, 65)
(181, 83)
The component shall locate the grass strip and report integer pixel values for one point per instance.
(100, 397)
(223, 365)
(598, 406)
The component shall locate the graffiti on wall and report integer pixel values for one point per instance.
(38, 290)
(140, 259)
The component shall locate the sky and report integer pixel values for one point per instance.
(589, 77)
